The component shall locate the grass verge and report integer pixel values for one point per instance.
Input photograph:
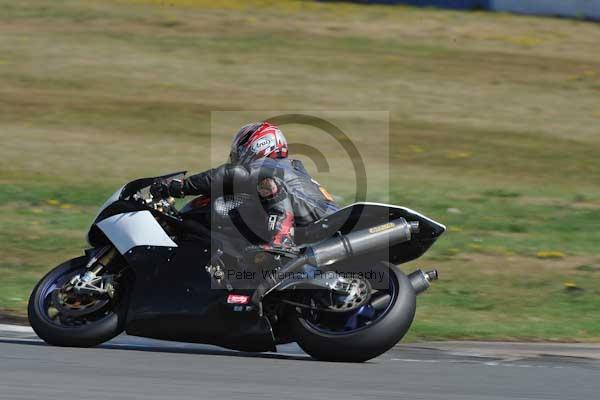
(493, 131)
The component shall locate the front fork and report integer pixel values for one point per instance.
(90, 283)
(100, 258)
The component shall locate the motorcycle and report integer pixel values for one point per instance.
(187, 275)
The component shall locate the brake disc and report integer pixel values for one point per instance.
(76, 306)
(359, 294)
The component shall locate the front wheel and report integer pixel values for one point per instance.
(63, 319)
(365, 333)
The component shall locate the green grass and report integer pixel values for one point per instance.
(493, 130)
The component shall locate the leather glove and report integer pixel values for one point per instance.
(159, 190)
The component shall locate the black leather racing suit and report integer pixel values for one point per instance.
(287, 192)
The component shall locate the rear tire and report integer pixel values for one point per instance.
(88, 335)
(366, 343)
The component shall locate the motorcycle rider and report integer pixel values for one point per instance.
(259, 162)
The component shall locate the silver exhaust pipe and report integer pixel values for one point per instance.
(365, 241)
(421, 281)
(341, 247)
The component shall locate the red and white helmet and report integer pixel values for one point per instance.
(256, 141)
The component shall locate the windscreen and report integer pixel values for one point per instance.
(143, 183)
(136, 186)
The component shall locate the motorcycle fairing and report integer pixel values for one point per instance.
(117, 203)
(132, 229)
(172, 299)
(116, 196)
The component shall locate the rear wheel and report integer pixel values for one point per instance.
(63, 318)
(364, 333)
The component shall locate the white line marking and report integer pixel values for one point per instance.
(15, 328)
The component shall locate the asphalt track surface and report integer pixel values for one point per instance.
(134, 368)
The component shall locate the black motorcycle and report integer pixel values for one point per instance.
(192, 275)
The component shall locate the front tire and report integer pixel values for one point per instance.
(368, 342)
(85, 334)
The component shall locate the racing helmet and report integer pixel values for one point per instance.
(256, 141)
